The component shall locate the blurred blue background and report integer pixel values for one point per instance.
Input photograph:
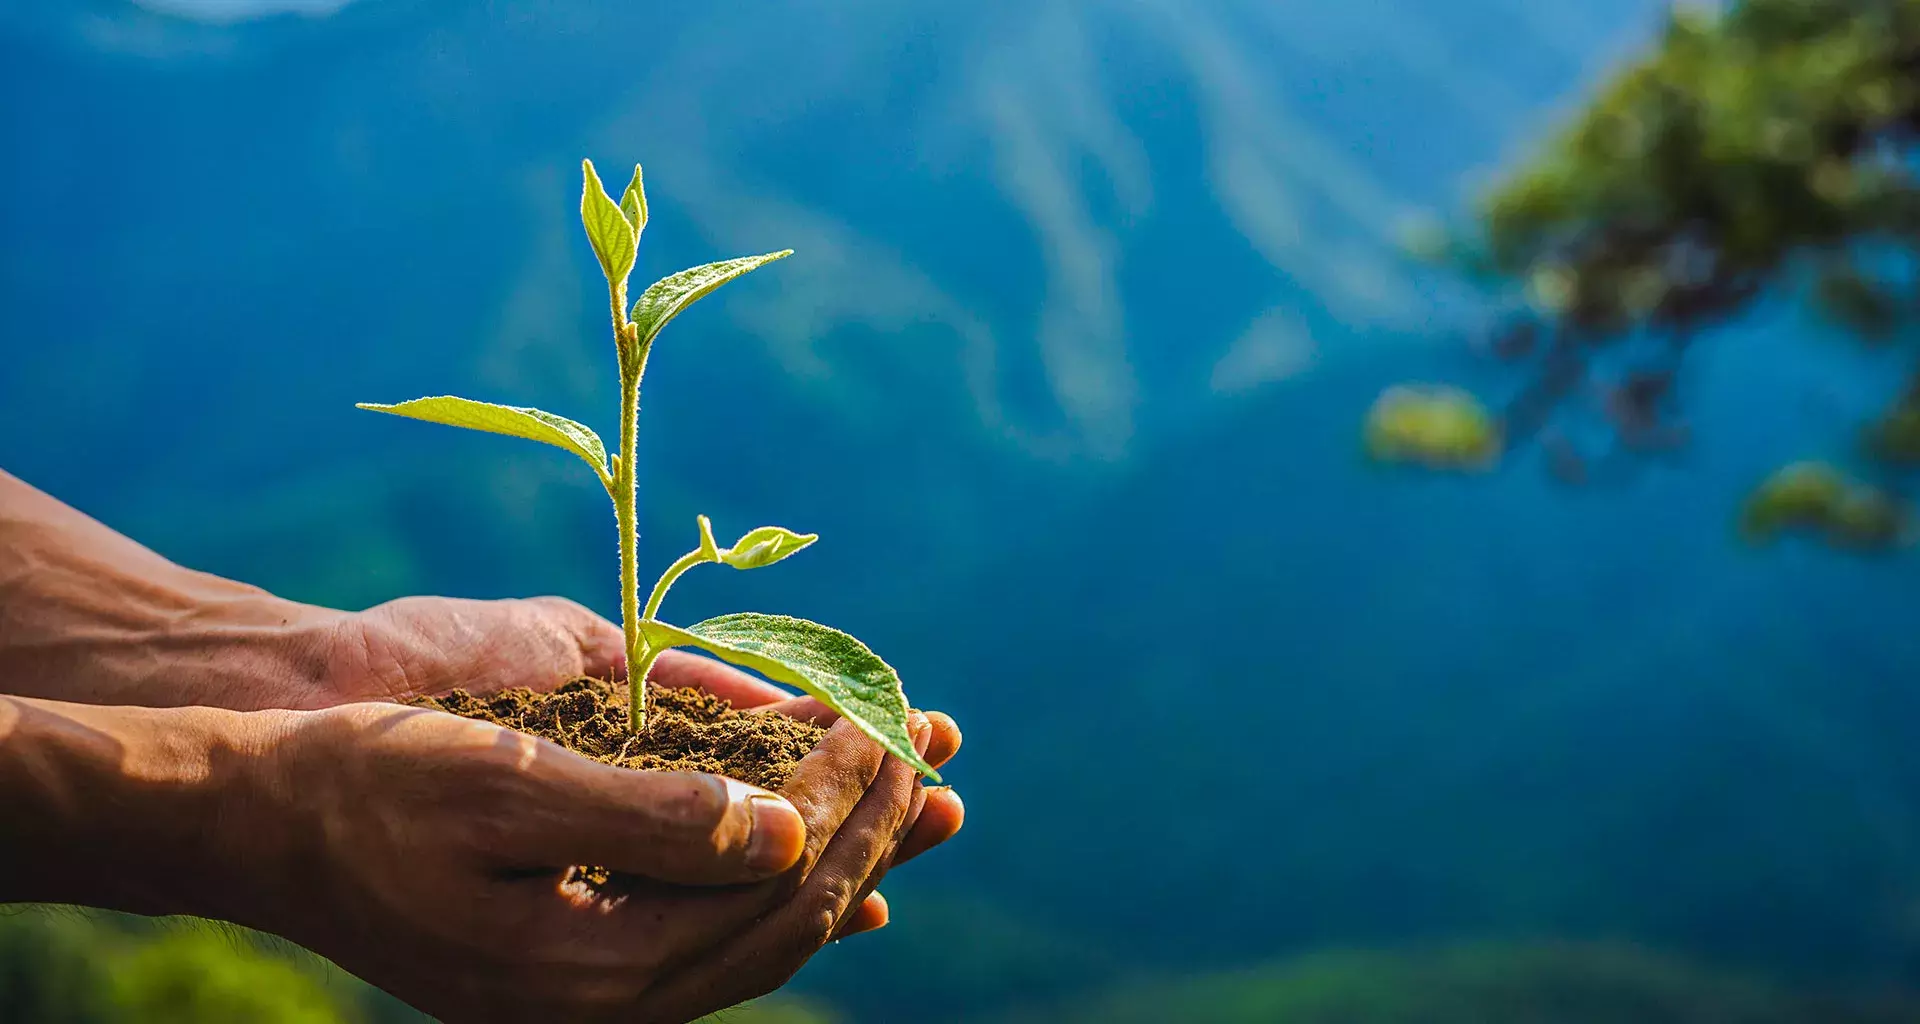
(1088, 300)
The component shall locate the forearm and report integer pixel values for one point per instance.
(88, 615)
(143, 810)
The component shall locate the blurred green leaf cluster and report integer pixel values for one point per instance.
(1434, 426)
(1765, 147)
(64, 965)
(1818, 498)
(60, 965)
(1747, 143)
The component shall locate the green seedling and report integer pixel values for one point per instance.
(823, 662)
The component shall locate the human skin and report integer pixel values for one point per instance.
(182, 743)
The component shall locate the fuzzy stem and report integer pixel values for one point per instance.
(674, 572)
(624, 491)
(633, 366)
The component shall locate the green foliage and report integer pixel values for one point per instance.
(633, 204)
(765, 546)
(200, 977)
(1742, 140)
(62, 966)
(1544, 984)
(776, 1010)
(512, 421)
(51, 972)
(826, 663)
(1765, 147)
(820, 660)
(615, 238)
(671, 295)
(1433, 426)
(1895, 438)
(1817, 498)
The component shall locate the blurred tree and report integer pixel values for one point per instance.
(1767, 147)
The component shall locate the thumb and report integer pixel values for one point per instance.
(682, 827)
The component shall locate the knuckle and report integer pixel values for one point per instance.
(556, 604)
(817, 928)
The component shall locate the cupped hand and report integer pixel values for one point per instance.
(426, 646)
(431, 853)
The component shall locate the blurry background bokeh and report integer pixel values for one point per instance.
(1090, 305)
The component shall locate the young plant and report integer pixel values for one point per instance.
(823, 662)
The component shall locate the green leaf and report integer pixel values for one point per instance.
(614, 240)
(765, 546)
(532, 424)
(666, 298)
(633, 204)
(822, 661)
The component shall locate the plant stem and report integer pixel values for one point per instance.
(624, 488)
(633, 366)
(674, 572)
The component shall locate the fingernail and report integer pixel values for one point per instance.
(778, 834)
(920, 729)
(874, 919)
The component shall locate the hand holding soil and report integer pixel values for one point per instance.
(437, 856)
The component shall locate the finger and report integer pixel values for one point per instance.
(916, 803)
(676, 669)
(939, 821)
(829, 783)
(826, 787)
(558, 809)
(871, 915)
(945, 741)
(769, 952)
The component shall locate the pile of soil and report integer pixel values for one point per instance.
(686, 730)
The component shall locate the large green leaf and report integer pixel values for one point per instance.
(664, 299)
(532, 424)
(614, 239)
(820, 660)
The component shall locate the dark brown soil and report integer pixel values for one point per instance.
(686, 731)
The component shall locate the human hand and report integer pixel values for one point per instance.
(92, 617)
(427, 852)
(430, 852)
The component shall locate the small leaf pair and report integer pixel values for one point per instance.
(613, 229)
(763, 546)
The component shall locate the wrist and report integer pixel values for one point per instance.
(149, 811)
(172, 638)
(93, 617)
